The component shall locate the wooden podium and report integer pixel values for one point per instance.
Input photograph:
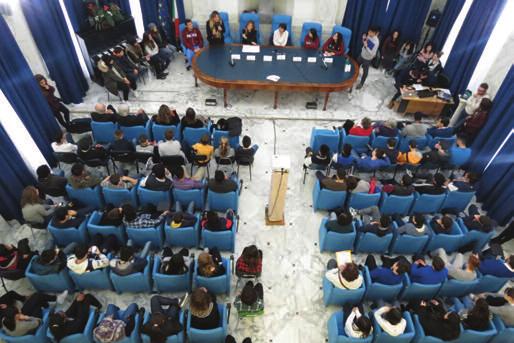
(280, 166)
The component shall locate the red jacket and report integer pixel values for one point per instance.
(192, 38)
(310, 43)
(330, 47)
(360, 131)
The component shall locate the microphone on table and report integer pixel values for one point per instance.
(231, 59)
(324, 66)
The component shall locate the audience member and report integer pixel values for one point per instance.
(170, 146)
(404, 188)
(118, 182)
(164, 319)
(125, 119)
(191, 120)
(203, 150)
(222, 184)
(210, 264)
(33, 209)
(145, 146)
(251, 299)
(246, 151)
(115, 79)
(503, 307)
(492, 262)
(212, 222)
(51, 261)
(280, 35)
(145, 219)
(166, 50)
(457, 269)
(441, 128)
(411, 157)
(85, 260)
(506, 235)
(64, 218)
(250, 262)
(390, 49)
(174, 263)
(420, 272)
(357, 324)
(157, 180)
(182, 181)
(318, 160)
(374, 222)
(391, 272)
(60, 112)
(390, 320)
(465, 183)
(475, 316)
(365, 129)
(180, 218)
(475, 221)
(16, 258)
(346, 276)
(311, 40)
(416, 129)
(103, 113)
(437, 186)
(204, 310)
(334, 46)
(61, 144)
(192, 40)
(340, 222)
(151, 51)
(121, 144)
(89, 151)
(377, 160)
(436, 320)
(134, 51)
(116, 325)
(370, 45)
(414, 227)
(130, 68)
(80, 178)
(129, 262)
(404, 55)
(387, 128)
(249, 34)
(50, 184)
(166, 116)
(442, 224)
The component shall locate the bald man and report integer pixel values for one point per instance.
(104, 113)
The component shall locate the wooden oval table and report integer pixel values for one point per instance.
(212, 65)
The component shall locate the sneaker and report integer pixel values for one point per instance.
(61, 297)
(188, 68)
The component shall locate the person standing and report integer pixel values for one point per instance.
(193, 41)
(370, 43)
(472, 105)
(61, 112)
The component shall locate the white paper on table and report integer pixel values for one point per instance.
(273, 78)
(236, 56)
(297, 59)
(250, 57)
(267, 58)
(329, 60)
(281, 57)
(311, 59)
(251, 49)
(418, 87)
(347, 68)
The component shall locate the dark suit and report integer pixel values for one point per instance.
(225, 186)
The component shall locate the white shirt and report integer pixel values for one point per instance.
(392, 330)
(348, 326)
(338, 281)
(64, 147)
(170, 148)
(473, 102)
(280, 39)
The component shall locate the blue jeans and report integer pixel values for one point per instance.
(189, 55)
(116, 313)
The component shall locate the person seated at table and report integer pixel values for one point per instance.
(280, 35)
(251, 299)
(174, 263)
(191, 120)
(166, 116)
(192, 40)
(318, 160)
(404, 188)
(441, 128)
(357, 324)
(215, 29)
(436, 320)
(249, 34)
(364, 129)
(157, 180)
(414, 227)
(169, 146)
(503, 306)
(457, 269)
(72, 321)
(212, 222)
(436, 187)
(420, 272)
(144, 145)
(250, 262)
(411, 157)
(210, 264)
(346, 158)
(151, 54)
(84, 259)
(390, 320)
(442, 224)
(311, 40)
(387, 128)
(474, 316)
(147, 218)
(377, 160)
(125, 119)
(50, 184)
(346, 276)
(404, 81)
(116, 325)
(465, 183)
(340, 221)
(334, 46)
(222, 184)
(61, 144)
(336, 183)
(391, 272)
(204, 310)
(129, 262)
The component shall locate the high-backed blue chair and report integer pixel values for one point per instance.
(216, 284)
(158, 131)
(381, 141)
(407, 244)
(191, 136)
(134, 335)
(170, 283)
(420, 336)
(421, 141)
(459, 156)
(489, 284)
(94, 228)
(395, 204)
(325, 199)
(136, 282)
(228, 34)
(187, 237)
(324, 136)
(186, 196)
(457, 288)
(478, 237)
(432, 141)
(161, 199)
(347, 36)
(53, 283)
(65, 236)
(209, 336)
(359, 143)
(405, 337)
(216, 138)
(223, 240)
(87, 196)
(418, 291)
(120, 196)
(278, 19)
(142, 235)
(364, 200)
(473, 336)
(85, 336)
(336, 333)
(178, 338)
(38, 337)
(97, 279)
(181, 28)
(504, 334)
(335, 241)
(371, 243)
(376, 290)
(245, 18)
(223, 201)
(449, 242)
(133, 132)
(103, 132)
(306, 28)
(457, 200)
(339, 297)
(427, 203)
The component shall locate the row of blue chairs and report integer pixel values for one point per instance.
(149, 280)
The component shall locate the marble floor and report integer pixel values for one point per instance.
(293, 265)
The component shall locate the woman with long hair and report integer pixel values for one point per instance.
(249, 34)
(390, 50)
(334, 46)
(210, 264)
(166, 116)
(33, 209)
(250, 262)
(61, 112)
(215, 29)
(204, 310)
(151, 50)
(224, 155)
(311, 40)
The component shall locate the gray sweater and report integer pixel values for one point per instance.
(505, 312)
(414, 130)
(411, 229)
(36, 213)
(367, 53)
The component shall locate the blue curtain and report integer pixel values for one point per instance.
(22, 91)
(358, 16)
(77, 13)
(450, 13)
(181, 12)
(471, 41)
(404, 15)
(48, 27)
(15, 177)
(158, 12)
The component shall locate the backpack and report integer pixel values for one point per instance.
(110, 330)
(80, 125)
(234, 126)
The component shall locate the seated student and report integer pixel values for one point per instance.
(391, 151)
(80, 178)
(16, 258)
(391, 272)
(475, 221)
(118, 182)
(167, 48)
(439, 156)
(145, 145)
(133, 220)
(412, 157)
(50, 184)
(428, 275)
(104, 113)
(65, 218)
(251, 299)
(404, 81)
(474, 316)
(164, 319)
(357, 324)
(365, 129)
(416, 129)
(503, 306)
(436, 320)
(460, 150)
(203, 150)
(437, 186)
(184, 182)
(85, 260)
(390, 320)
(336, 183)
(34, 209)
(246, 150)
(130, 68)
(346, 276)
(61, 144)
(128, 261)
(465, 183)
(493, 262)
(204, 310)
(346, 158)
(249, 34)
(114, 78)
(174, 263)
(222, 184)
(334, 46)
(280, 35)
(111, 216)
(340, 222)
(377, 160)
(62, 324)
(318, 160)
(224, 154)
(311, 40)
(153, 55)
(404, 188)
(157, 180)
(414, 227)
(380, 226)
(180, 218)
(191, 120)
(457, 269)
(51, 261)
(250, 261)
(89, 151)
(212, 222)
(170, 147)
(192, 40)
(166, 116)
(116, 326)
(361, 185)
(442, 224)
(120, 143)
(210, 264)
(124, 118)
(441, 128)
(387, 129)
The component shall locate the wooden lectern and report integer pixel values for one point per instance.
(280, 166)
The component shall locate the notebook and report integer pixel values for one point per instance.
(343, 257)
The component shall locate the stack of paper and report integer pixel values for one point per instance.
(273, 78)
(343, 257)
(251, 49)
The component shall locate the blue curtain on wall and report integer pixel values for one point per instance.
(15, 177)
(471, 41)
(48, 27)
(158, 12)
(181, 12)
(77, 13)
(358, 16)
(450, 13)
(404, 15)
(22, 91)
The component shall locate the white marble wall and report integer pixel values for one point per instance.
(501, 65)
